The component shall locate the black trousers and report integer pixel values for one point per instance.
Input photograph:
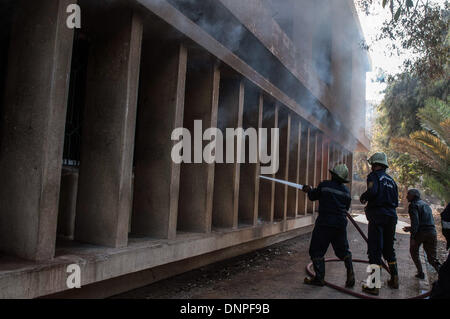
(429, 241)
(323, 236)
(381, 239)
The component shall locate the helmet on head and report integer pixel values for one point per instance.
(341, 171)
(379, 158)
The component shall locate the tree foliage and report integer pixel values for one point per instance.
(431, 145)
(420, 27)
(410, 108)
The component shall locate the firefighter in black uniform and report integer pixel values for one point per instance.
(331, 225)
(381, 198)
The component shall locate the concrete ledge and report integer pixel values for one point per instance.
(21, 279)
(143, 278)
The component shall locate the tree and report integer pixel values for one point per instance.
(396, 118)
(420, 27)
(431, 145)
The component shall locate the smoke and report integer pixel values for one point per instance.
(320, 37)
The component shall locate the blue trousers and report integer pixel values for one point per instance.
(323, 236)
(381, 239)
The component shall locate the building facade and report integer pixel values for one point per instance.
(86, 117)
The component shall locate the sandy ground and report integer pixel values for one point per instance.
(278, 272)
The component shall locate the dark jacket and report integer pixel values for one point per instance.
(334, 202)
(381, 195)
(421, 217)
(445, 218)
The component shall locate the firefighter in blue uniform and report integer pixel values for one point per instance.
(381, 198)
(331, 225)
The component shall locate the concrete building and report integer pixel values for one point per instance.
(86, 116)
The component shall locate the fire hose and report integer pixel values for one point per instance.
(309, 267)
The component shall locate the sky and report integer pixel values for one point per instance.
(381, 59)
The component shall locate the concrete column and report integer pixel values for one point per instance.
(105, 183)
(319, 155)
(160, 111)
(32, 128)
(227, 175)
(312, 168)
(332, 155)
(281, 191)
(197, 179)
(294, 167)
(319, 158)
(303, 167)
(325, 159)
(249, 177)
(267, 188)
(350, 170)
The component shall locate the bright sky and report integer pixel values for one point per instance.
(381, 59)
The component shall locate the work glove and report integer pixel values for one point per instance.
(307, 188)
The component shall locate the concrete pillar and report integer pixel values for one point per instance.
(332, 155)
(267, 188)
(303, 167)
(104, 194)
(312, 168)
(32, 128)
(226, 176)
(6, 16)
(350, 170)
(319, 155)
(281, 191)
(160, 111)
(319, 158)
(197, 179)
(325, 159)
(294, 167)
(249, 177)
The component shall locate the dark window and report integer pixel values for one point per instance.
(76, 100)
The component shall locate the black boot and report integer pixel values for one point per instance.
(393, 282)
(350, 272)
(319, 269)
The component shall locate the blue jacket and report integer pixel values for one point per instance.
(334, 202)
(421, 217)
(381, 195)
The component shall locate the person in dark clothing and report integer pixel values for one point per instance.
(441, 288)
(381, 198)
(331, 225)
(423, 231)
(445, 219)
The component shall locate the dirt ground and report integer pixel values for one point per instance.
(278, 272)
